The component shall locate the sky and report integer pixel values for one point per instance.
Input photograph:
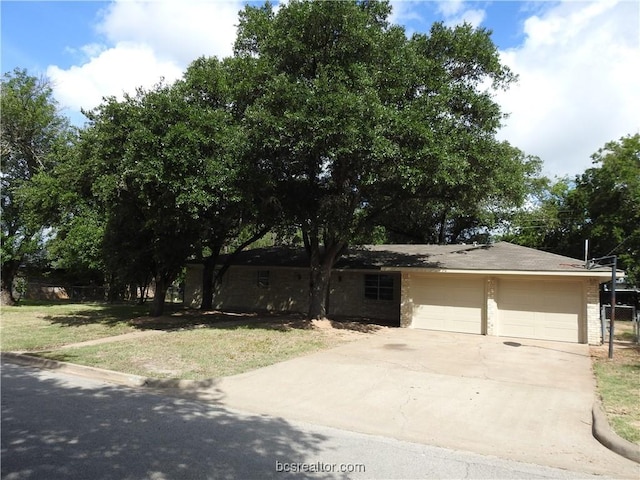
(578, 62)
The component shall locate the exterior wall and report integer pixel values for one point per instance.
(193, 286)
(288, 291)
(594, 327)
(347, 298)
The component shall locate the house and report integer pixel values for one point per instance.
(497, 289)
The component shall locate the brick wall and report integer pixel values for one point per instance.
(193, 286)
(491, 308)
(594, 327)
(347, 297)
(406, 302)
(288, 291)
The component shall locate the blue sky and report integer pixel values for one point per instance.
(578, 61)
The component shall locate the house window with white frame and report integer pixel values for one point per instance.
(378, 287)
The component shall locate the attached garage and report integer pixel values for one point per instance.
(543, 310)
(500, 290)
(453, 304)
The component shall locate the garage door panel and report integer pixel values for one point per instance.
(540, 310)
(449, 304)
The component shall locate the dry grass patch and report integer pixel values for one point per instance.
(195, 345)
(618, 382)
(203, 352)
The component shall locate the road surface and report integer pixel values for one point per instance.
(59, 426)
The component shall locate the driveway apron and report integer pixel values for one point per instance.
(524, 400)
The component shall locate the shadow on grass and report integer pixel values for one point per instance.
(92, 430)
(178, 318)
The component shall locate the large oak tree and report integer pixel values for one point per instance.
(348, 119)
(163, 166)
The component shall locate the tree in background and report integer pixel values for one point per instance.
(464, 219)
(33, 135)
(609, 196)
(347, 120)
(160, 170)
(602, 205)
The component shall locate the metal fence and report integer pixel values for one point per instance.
(89, 293)
(623, 313)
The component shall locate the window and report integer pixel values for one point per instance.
(378, 287)
(263, 278)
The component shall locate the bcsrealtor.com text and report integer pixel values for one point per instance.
(319, 467)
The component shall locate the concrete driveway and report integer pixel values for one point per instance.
(524, 400)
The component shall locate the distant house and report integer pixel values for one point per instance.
(498, 289)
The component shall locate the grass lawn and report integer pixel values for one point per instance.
(619, 382)
(201, 353)
(37, 325)
(189, 344)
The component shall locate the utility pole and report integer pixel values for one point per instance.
(613, 261)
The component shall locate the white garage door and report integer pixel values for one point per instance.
(451, 304)
(545, 310)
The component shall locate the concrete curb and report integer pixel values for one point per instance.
(606, 436)
(110, 376)
(92, 372)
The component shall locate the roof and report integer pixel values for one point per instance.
(501, 256)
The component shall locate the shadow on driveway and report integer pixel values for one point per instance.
(55, 430)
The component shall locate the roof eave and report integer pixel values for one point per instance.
(560, 273)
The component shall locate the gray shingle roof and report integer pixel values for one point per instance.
(497, 256)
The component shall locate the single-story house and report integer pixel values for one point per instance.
(497, 289)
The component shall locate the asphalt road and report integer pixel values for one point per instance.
(58, 426)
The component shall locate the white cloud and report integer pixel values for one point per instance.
(455, 13)
(450, 8)
(144, 42)
(403, 11)
(120, 69)
(179, 30)
(579, 83)
(473, 17)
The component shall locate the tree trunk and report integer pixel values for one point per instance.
(443, 228)
(6, 298)
(321, 264)
(9, 271)
(319, 291)
(157, 307)
(208, 282)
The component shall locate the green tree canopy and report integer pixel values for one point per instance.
(601, 205)
(609, 195)
(33, 135)
(157, 165)
(348, 119)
